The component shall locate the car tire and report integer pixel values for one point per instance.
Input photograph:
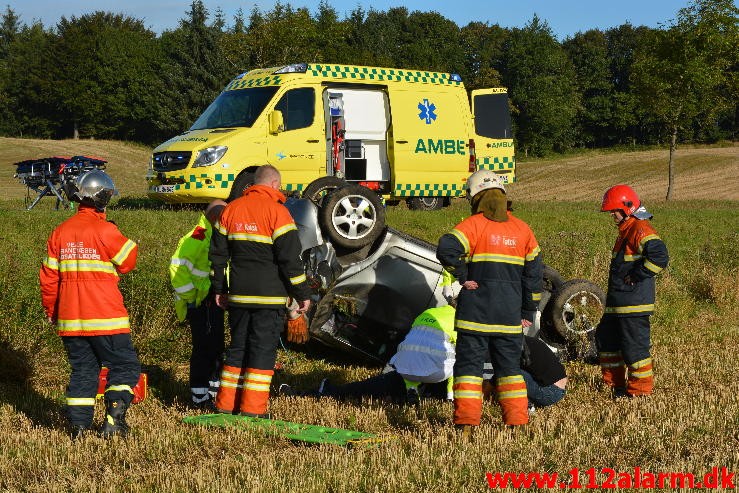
(352, 216)
(552, 280)
(242, 182)
(576, 309)
(425, 203)
(317, 190)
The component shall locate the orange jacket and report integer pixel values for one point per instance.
(257, 237)
(79, 276)
(640, 254)
(504, 259)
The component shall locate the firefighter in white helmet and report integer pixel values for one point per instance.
(496, 259)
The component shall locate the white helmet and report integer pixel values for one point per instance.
(95, 188)
(483, 179)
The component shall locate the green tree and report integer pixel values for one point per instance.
(27, 107)
(482, 48)
(629, 122)
(9, 28)
(330, 37)
(106, 84)
(684, 74)
(195, 70)
(588, 52)
(539, 78)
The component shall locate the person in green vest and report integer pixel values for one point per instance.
(421, 367)
(189, 272)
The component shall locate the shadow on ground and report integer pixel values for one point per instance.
(16, 389)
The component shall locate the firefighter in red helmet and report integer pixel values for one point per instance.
(623, 335)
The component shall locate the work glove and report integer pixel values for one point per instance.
(297, 329)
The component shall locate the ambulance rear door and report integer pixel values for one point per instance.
(492, 132)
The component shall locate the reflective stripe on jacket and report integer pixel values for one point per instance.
(504, 259)
(257, 234)
(427, 352)
(641, 254)
(189, 269)
(79, 276)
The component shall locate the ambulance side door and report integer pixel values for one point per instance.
(298, 150)
(492, 132)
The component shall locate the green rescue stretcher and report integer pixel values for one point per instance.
(293, 431)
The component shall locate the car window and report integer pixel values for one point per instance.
(298, 108)
(492, 117)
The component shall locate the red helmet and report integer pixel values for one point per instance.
(622, 198)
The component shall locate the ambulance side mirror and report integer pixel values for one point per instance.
(276, 122)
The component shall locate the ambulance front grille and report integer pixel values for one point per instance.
(171, 161)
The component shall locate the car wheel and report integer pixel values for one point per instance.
(425, 203)
(318, 189)
(242, 182)
(352, 216)
(576, 308)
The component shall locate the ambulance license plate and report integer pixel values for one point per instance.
(163, 189)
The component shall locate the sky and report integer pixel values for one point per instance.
(565, 17)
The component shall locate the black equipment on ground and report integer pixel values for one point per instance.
(55, 176)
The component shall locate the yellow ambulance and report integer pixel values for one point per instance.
(407, 134)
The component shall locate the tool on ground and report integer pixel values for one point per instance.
(293, 431)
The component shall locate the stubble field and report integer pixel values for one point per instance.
(690, 424)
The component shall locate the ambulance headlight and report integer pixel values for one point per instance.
(209, 156)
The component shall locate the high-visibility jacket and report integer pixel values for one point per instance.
(427, 353)
(504, 259)
(189, 269)
(641, 254)
(79, 276)
(258, 235)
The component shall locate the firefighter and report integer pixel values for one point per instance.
(496, 259)
(189, 274)
(258, 237)
(79, 289)
(623, 334)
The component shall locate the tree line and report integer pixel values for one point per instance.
(106, 76)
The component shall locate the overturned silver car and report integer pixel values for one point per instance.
(370, 281)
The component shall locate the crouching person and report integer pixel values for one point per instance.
(79, 289)
(422, 366)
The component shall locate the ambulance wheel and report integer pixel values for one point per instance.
(352, 216)
(318, 189)
(242, 182)
(425, 203)
(576, 309)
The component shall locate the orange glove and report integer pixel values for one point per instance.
(297, 330)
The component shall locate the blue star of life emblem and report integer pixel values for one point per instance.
(427, 111)
(281, 156)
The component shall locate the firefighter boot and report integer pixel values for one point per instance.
(77, 431)
(115, 419)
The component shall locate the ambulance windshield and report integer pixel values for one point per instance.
(237, 108)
